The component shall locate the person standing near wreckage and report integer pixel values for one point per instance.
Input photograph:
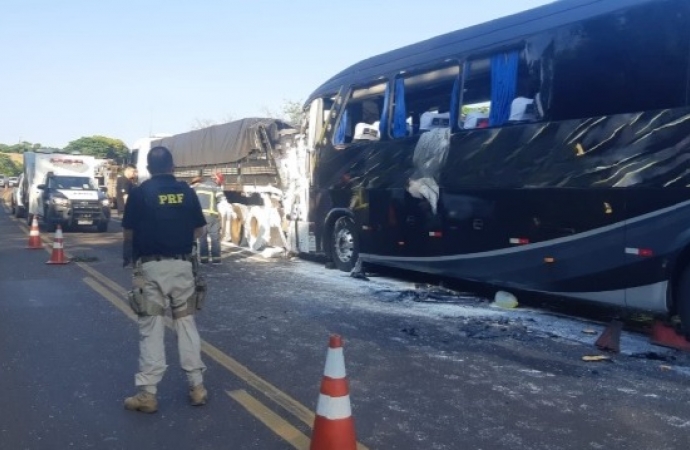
(211, 198)
(162, 219)
(123, 187)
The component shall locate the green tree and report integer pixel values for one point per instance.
(100, 147)
(21, 147)
(293, 112)
(9, 167)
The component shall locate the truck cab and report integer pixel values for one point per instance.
(72, 201)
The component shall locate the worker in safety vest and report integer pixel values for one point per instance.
(211, 197)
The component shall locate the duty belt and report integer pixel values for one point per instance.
(145, 259)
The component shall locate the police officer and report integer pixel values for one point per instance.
(162, 219)
(211, 196)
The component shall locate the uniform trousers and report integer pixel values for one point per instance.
(212, 231)
(169, 283)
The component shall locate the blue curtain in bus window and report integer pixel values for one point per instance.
(383, 123)
(504, 69)
(454, 103)
(399, 112)
(339, 137)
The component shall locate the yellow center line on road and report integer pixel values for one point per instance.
(114, 293)
(285, 401)
(105, 293)
(273, 421)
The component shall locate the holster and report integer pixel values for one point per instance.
(200, 291)
(136, 299)
(200, 287)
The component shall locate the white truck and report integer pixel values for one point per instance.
(62, 190)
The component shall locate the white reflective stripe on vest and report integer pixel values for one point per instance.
(333, 408)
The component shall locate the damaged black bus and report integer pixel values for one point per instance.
(546, 151)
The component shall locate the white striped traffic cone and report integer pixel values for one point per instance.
(58, 255)
(334, 427)
(34, 237)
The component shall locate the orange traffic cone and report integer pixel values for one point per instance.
(58, 255)
(334, 427)
(34, 237)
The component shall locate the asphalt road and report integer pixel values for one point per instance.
(427, 370)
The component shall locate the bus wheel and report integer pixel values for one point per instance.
(683, 301)
(345, 244)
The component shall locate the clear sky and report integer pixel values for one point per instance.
(128, 68)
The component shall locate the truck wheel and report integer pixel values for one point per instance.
(683, 301)
(344, 244)
(102, 227)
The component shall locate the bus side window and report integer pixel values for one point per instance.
(424, 100)
(498, 91)
(360, 116)
(633, 60)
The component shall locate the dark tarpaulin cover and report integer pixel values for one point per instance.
(220, 144)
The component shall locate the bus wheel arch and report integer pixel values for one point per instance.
(342, 240)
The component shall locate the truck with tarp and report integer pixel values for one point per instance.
(254, 155)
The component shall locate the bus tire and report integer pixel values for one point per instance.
(683, 301)
(344, 244)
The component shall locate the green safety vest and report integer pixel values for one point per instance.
(209, 196)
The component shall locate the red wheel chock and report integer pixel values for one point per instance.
(667, 336)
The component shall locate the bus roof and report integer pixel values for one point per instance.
(473, 39)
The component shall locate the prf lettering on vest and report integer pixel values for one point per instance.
(170, 199)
